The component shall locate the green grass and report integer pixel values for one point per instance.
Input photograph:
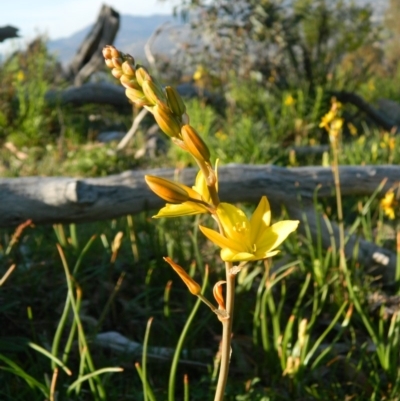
(301, 332)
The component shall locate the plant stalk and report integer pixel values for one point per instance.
(226, 334)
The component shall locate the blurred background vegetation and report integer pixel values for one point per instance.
(265, 72)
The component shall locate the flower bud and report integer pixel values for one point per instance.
(194, 143)
(116, 72)
(129, 82)
(218, 295)
(175, 101)
(117, 62)
(193, 287)
(114, 52)
(107, 52)
(153, 92)
(137, 96)
(166, 121)
(141, 74)
(109, 63)
(128, 68)
(168, 190)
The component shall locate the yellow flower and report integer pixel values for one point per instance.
(327, 119)
(199, 73)
(289, 100)
(245, 239)
(352, 128)
(199, 191)
(221, 135)
(20, 76)
(387, 205)
(335, 128)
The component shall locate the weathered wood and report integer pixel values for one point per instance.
(65, 199)
(375, 115)
(114, 95)
(89, 57)
(96, 93)
(315, 150)
(48, 200)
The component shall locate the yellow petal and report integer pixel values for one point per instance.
(220, 240)
(260, 219)
(184, 209)
(273, 236)
(193, 194)
(235, 223)
(265, 255)
(200, 186)
(230, 255)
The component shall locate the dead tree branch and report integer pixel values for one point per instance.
(89, 57)
(48, 200)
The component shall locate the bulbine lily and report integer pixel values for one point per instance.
(245, 239)
(240, 239)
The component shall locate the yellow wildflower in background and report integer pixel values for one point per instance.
(332, 122)
(388, 141)
(387, 204)
(199, 73)
(245, 239)
(289, 100)
(20, 76)
(352, 128)
(221, 135)
(327, 119)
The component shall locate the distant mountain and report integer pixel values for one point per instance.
(134, 31)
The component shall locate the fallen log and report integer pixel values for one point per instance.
(374, 114)
(90, 93)
(114, 95)
(48, 200)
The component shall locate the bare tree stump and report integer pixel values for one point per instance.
(8, 32)
(89, 57)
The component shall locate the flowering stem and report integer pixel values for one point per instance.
(211, 184)
(226, 333)
(214, 195)
(336, 177)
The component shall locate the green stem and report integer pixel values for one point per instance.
(211, 185)
(335, 169)
(226, 334)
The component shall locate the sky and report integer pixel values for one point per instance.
(61, 18)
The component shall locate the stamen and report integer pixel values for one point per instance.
(240, 227)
